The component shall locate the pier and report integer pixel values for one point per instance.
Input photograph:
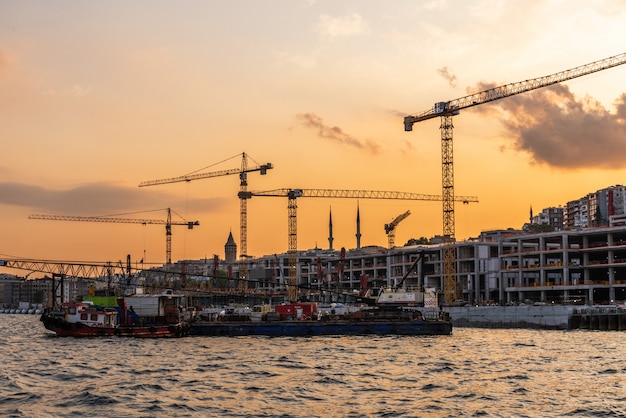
(600, 318)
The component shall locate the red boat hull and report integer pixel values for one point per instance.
(66, 329)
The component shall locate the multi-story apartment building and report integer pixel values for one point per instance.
(605, 207)
(577, 213)
(554, 217)
(14, 290)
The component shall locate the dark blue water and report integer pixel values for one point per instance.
(474, 372)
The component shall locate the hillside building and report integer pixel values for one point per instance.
(552, 217)
(605, 207)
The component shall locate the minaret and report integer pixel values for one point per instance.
(531, 214)
(330, 230)
(358, 226)
(230, 249)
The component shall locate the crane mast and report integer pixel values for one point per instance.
(293, 194)
(446, 110)
(243, 224)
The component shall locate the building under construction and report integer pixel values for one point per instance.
(504, 267)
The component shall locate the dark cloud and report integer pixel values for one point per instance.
(560, 130)
(397, 114)
(98, 199)
(336, 134)
(407, 147)
(448, 76)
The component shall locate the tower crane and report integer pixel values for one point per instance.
(243, 205)
(293, 194)
(390, 228)
(446, 110)
(168, 225)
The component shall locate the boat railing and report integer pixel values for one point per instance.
(431, 314)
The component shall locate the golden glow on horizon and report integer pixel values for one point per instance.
(99, 98)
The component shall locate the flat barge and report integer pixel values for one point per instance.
(303, 319)
(303, 329)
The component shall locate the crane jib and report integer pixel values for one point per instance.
(350, 194)
(453, 107)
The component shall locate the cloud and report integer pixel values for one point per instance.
(398, 114)
(438, 5)
(448, 76)
(341, 27)
(97, 199)
(335, 134)
(560, 130)
(305, 60)
(407, 147)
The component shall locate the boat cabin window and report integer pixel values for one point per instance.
(94, 317)
(71, 310)
(83, 317)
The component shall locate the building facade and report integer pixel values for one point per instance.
(554, 217)
(498, 268)
(605, 207)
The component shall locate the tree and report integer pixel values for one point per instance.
(534, 228)
(420, 241)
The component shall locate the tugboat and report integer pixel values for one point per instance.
(86, 319)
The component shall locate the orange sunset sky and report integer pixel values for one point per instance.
(96, 97)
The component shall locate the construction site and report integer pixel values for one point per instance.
(509, 267)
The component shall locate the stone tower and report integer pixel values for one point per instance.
(230, 249)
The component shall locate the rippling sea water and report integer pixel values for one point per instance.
(473, 372)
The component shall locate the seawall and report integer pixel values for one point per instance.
(527, 316)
